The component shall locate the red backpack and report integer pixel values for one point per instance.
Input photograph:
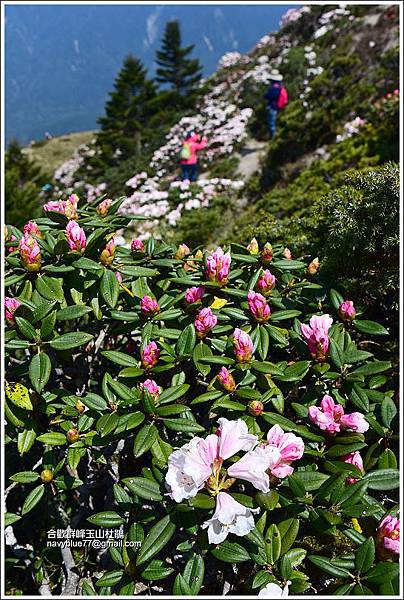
(283, 99)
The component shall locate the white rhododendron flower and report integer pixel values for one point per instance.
(229, 517)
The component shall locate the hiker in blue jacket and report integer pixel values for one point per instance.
(276, 97)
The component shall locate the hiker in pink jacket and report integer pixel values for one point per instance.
(188, 155)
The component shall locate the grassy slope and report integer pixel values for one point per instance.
(51, 154)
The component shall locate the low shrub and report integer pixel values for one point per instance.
(225, 416)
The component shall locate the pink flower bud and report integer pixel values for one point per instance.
(253, 247)
(194, 294)
(354, 458)
(71, 206)
(151, 386)
(12, 239)
(287, 254)
(226, 380)
(388, 537)
(150, 355)
(316, 335)
(204, 322)
(118, 276)
(108, 254)
(255, 408)
(31, 228)
(76, 238)
(11, 305)
(218, 266)
(30, 253)
(266, 282)
(267, 254)
(182, 251)
(149, 306)
(55, 205)
(258, 306)
(137, 246)
(103, 207)
(347, 310)
(313, 266)
(242, 345)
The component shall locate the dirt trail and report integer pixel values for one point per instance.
(250, 156)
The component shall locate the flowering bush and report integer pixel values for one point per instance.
(233, 421)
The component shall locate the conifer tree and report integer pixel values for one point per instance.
(127, 112)
(23, 183)
(175, 68)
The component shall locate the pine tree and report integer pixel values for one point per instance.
(23, 182)
(176, 70)
(127, 112)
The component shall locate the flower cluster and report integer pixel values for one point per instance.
(351, 128)
(293, 14)
(331, 417)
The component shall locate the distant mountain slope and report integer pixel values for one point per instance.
(61, 60)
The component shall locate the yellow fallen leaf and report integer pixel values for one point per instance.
(356, 525)
(127, 290)
(218, 303)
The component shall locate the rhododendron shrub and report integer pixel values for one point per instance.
(228, 418)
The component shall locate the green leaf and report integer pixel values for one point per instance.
(282, 315)
(326, 565)
(370, 368)
(384, 571)
(72, 312)
(50, 288)
(288, 530)
(95, 402)
(230, 552)
(186, 342)
(109, 579)
(181, 587)
(386, 479)
(194, 573)
(27, 330)
(266, 367)
(52, 439)
(365, 556)
(120, 358)
(18, 395)
(272, 544)
(370, 327)
(107, 423)
(156, 570)
(144, 439)
(158, 536)
(67, 341)
(387, 460)
(336, 353)
(109, 288)
(312, 479)
(25, 476)
(138, 271)
(39, 371)
(336, 299)
(288, 265)
(25, 440)
(108, 518)
(173, 393)
(201, 351)
(10, 518)
(32, 499)
(342, 449)
(388, 411)
(202, 501)
(183, 424)
(144, 488)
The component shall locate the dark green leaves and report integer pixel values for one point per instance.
(39, 371)
(109, 288)
(68, 341)
(158, 536)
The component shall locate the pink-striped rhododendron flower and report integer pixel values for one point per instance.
(218, 266)
(194, 294)
(266, 282)
(108, 254)
(151, 386)
(258, 306)
(76, 238)
(354, 458)
(30, 253)
(388, 536)
(11, 305)
(331, 417)
(316, 335)
(242, 345)
(31, 228)
(290, 446)
(150, 355)
(347, 311)
(137, 246)
(205, 322)
(149, 306)
(103, 207)
(254, 466)
(226, 380)
(229, 517)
